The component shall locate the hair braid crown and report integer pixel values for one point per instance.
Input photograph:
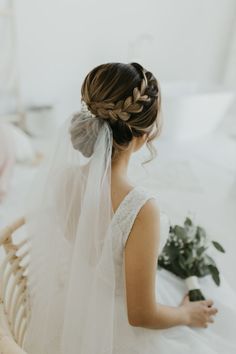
(123, 108)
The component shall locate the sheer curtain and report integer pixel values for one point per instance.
(9, 86)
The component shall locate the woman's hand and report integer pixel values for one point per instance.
(198, 313)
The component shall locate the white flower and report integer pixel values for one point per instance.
(194, 253)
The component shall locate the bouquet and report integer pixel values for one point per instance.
(185, 255)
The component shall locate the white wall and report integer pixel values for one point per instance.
(230, 68)
(60, 40)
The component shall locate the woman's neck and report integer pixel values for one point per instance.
(120, 165)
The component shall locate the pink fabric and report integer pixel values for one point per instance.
(7, 157)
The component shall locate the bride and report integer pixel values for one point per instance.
(95, 237)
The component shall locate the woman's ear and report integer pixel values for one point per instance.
(140, 141)
(145, 136)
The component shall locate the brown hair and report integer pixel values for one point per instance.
(128, 97)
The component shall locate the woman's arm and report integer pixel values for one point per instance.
(141, 253)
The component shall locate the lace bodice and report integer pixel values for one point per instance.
(129, 208)
(122, 223)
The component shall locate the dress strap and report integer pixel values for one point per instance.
(129, 208)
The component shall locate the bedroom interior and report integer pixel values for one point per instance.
(41, 72)
(47, 47)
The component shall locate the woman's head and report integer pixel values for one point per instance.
(128, 97)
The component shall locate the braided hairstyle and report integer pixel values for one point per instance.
(128, 97)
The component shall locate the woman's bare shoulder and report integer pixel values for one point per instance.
(149, 211)
(146, 225)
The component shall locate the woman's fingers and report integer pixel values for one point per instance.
(212, 310)
(208, 302)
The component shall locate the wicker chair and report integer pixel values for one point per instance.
(14, 311)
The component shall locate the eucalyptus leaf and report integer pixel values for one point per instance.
(201, 231)
(189, 260)
(188, 222)
(218, 246)
(200, 236)
(173, 252)
(182, 262)
(215, 274)
(201, 250)
(180, 232)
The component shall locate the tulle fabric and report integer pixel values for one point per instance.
(77, 299)
(71, 276)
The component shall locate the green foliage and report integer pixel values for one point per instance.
(185, 252)
(214, 273)
(218, 246)
(188, 222)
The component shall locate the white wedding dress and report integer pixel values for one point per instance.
(218, 338)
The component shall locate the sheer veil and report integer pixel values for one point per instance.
(71, 277)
